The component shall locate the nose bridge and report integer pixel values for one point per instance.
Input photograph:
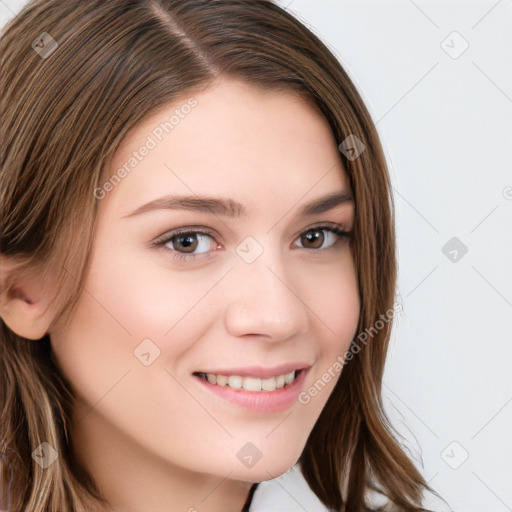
(262, 299)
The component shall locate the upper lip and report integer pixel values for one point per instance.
(259, 371)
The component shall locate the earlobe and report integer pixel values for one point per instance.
(23, 307)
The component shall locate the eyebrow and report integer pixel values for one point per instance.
(231, 208)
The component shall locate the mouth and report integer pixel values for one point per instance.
(250, 383)
(257, 390)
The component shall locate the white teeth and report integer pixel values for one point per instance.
(289, 377)
(268, 384)
(251, 383)
(235, 381)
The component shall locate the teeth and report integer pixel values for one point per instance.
(234, 381)
(268, 384)
(250, 383)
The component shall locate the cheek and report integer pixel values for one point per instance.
(125, 304)
(147, 297)
(336, 307)
(333, 298)
(128, 291)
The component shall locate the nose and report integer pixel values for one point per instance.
(263, 300)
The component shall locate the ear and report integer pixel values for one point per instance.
(23, 304)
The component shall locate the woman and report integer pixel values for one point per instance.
(197, 234)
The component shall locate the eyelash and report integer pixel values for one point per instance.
(336, 229)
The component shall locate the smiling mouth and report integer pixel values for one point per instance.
(248, 383)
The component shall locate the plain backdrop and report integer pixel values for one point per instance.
(437, 79)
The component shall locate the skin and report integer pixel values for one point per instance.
(152, 436)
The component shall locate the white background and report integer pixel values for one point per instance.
(446, 127)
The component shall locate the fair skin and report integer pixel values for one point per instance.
(155, 437)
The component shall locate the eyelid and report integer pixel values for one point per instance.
(325, 225)
(166, 237)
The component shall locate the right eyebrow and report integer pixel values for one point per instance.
(215, 205)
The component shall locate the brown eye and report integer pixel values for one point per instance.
(185, 243)
(192, 242)
(313, 239)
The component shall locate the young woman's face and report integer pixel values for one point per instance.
(244, 284)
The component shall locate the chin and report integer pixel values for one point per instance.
(263, 471)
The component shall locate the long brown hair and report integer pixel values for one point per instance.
(66, 106)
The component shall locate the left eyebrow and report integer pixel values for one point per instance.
(232, 208)
(325, 203)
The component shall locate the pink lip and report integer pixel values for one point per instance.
(260, 401)
(259, 371)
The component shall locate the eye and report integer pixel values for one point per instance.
(316, 237)
(185, 245)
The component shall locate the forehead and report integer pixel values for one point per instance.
(232, 139)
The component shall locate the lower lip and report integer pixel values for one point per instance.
(260, 401)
